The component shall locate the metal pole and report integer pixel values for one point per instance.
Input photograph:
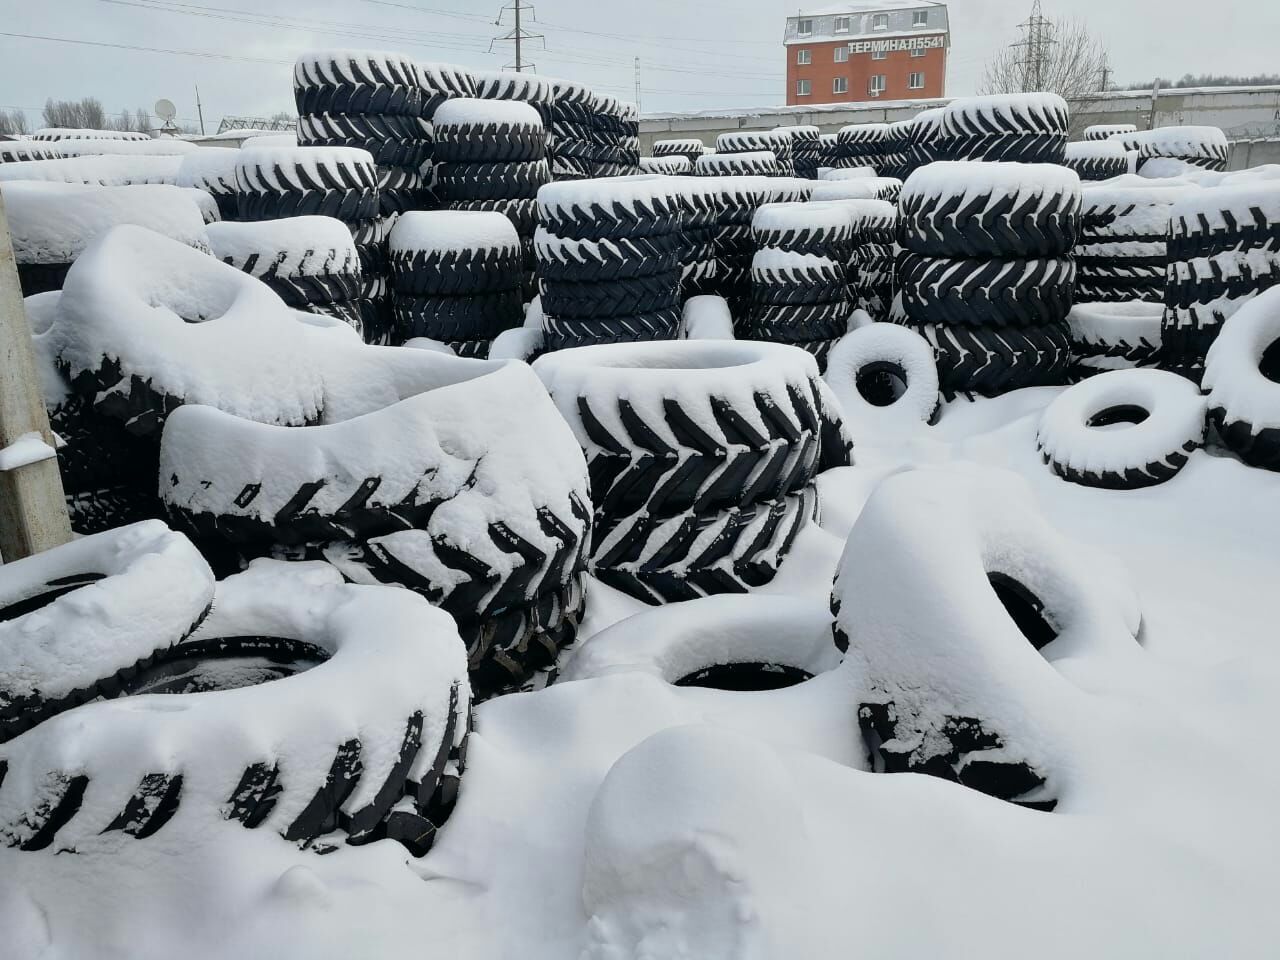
(1155, 95)
(33, 510)
(199, 110)
(637, 83)
(519, 60)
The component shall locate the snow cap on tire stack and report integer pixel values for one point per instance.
(862, 145)
(691, 149)
(1017, 127)
(1205, 147)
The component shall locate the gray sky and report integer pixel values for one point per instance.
(693, 53)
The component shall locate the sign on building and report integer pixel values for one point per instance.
(897, 43)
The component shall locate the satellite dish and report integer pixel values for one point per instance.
(165, 110)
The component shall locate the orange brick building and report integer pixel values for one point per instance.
(864, 51)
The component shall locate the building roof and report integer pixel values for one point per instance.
(867, 6)
(861, 14)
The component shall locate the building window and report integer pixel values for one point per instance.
(804, 27)
(840, 85)
(915, 81)
(842, 54)
(920, 18)
(802, 88)
(879, 54)
(842, 25)
(917, 51)
(880, 21)
(804, 57)
(878, 84)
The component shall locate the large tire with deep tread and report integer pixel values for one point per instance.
(356, 82)
(992, 361)
(985, 293)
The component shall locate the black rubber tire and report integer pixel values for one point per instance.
(391, 140)
(797, 325)
(1098, 168)
(612, 220)
(439, 82)
(455, 273)
(346, 205)
(992, 361)
(612, 298)
(466, 317)
(302, 292)
(489, 143)
(568, 261)
(358, 85)
(1027, 128)
(564, 334)
(523, 213)
(491, 181)
(1238, 221)
(833, 291)
(1005, 148)
(41, 277)
(985, 293)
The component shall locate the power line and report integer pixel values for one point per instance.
(129, 46)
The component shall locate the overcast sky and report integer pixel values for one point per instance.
(693, 53)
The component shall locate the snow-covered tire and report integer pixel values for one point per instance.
(691, 149)
(1205, 147)
(78, 620)
(1097, 160)
(862, 140)
(454, 253)
(1201, 294)
(564, 333)
(753, 141)
(813, 228)
(643, 206)
(1105, 131)
(470, 316)
(1021, 127)
(391, 140)
(356, 82)
(442, 82)
(990, 210)
(277, 182)
(1242, 379)
(884, 365)
(989, 361)
(985, 293)
(672, 166)
(797, 324)
(522, 212)
(1126, 330)
(1135, 271)
(586, 261)
(305, 260)
(469, 130)
(491, 181)
(379, 722)
(140, 345)
(1166, 418)
(758, 163)
(1226, 219)
(612, 298)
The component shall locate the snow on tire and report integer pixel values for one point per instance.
(488, 131)
(390, 140)
(1164, 422)
(1105, 131)
(959, 209)
(884, 365)
(1097, 160)
(1125, 330)
(356, 82)
(374, 717)
(985, 293)
(78, 620)
(1022, 127)
(275, 182)
(454, 253)
(305, 260)
(1200, 146)
(1242, 379)
(756, 163)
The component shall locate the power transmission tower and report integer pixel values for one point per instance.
(1106, 73)
(1037, 44)
(517, 35)
(637, 83)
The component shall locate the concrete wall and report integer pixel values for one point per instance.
(1242, 112)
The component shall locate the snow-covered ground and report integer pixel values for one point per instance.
(622, 816)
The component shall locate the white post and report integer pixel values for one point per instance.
(33, 511)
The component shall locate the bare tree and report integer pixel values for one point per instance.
(123, 122)
(86, 113)
(1074, 66)
(142, 121)
(11, 122)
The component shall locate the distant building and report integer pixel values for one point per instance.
(875, 50)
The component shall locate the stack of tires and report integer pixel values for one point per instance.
(591, 136)
(1122, 253)
(986, 274)
(491, 156)
(806, 149)
(311, 262)
(1224, 250)
(1205, 147)
(341, 182)
(922, 148)
(872, 252)
(456, 278)
(863, 145)
(1013, 127)
(1097, 160)
(828, 151)
(1105, 131)
(799, 290)
(737, 200)
(609, 260)
(1119, 335)
(896, 156)
(699, 199)
(701, 455)
(691, 149)
(759, 141)
(213, 170)
(371, 101)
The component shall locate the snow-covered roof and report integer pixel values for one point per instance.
(900, 21)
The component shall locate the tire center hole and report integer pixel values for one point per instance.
(1024, 608)
(1121, 416)
(1269, 365)
(881, 383)
(745, 677)
(58, 588)
(225, 663)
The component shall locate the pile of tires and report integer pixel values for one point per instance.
(777, 142)
(702, 481)
(51, 224)
(1105, 131)
(1119, 335)
(339, 182)
(59, 134)
(828, 151)
(691, 149)
(456, 277)
(591, 136)
(806, 149)
(699, 199)
(366, 742)
(311, 262)
(1205, 147)
(896, 158)
(407, 481)
(799, 287)
(609, 260)
(1224, 250)
(491, 156)
(985, 272)
(213, 170)
(869, 269)
(862, 145)
(1097, 160)
(1013, 127)
(922, 146)
(21, 151)
(371, 101)
(1122, 253)
(737, 200)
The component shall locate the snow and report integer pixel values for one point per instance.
(1095, 150)
(17, 151)
(852, 188)
(437, 230)
(204, 202)
(720, 164)
(54, 222)
(1105, 324)
(1049, 110)
(882, 344)
(71, 133)
(270, 140)
(340, 65)
(708, 318)
(1207, 211)
(848, 173)
(990, 182)
(829, 217)
(26, 449)
(210, 168)
(126, 148)
(301, 168)
(519, 343)
(289, 247)
(1175, 421)
(673, 165)
(471, 112)
(110, 171)
(1232, 377)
